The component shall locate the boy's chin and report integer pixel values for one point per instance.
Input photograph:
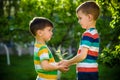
(48, 40)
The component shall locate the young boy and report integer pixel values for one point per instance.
(86, 58)
(45, 65)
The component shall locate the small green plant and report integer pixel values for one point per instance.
(59, 53)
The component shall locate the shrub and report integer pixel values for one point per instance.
(110, 57)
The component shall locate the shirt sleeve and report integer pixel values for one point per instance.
(86, 41)
(43, 53)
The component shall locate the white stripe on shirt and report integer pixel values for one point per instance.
(44, 56)
(87, 65)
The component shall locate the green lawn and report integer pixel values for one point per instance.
(22, 68)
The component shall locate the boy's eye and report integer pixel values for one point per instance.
(50, 29)
(79, 18)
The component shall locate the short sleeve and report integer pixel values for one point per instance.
(86, 41)
(43, 53)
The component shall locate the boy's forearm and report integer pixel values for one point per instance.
(75, 59)
(72, 61)
(49, 67)
(79, 57)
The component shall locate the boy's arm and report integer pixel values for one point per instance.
(77, 58)
(50, 67)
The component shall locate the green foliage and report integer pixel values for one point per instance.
(58, 11)
(111, 8)
(67, 31)
(110, 57)
(104, 30)
(4, 29)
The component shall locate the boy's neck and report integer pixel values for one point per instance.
(40, 41)
(92, 25)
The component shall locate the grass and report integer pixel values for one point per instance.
(22, 68)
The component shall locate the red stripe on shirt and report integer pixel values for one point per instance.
(92, 53)
(81, 69)
(90, 35)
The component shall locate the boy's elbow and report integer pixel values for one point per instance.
(83, 58)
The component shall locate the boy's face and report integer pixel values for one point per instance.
(83, 19)
(46, 33)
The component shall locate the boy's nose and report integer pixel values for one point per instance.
(51, 33)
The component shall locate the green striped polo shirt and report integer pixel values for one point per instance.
(42, 52)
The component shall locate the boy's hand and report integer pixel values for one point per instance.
(63, 67)
(64, 62)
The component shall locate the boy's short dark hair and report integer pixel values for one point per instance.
(39, 23)
(89, 7)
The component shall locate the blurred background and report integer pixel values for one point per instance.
(16, 42)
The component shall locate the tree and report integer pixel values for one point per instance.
(111, 8)
(110, 55)
(16, 15)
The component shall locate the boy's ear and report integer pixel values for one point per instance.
(39, 32)
(90, 17)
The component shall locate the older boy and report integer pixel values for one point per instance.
(86, 58)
